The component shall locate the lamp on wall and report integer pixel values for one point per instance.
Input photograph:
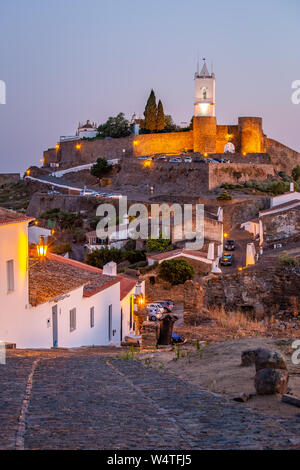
(41, 249)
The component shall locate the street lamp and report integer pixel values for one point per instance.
(41, 249)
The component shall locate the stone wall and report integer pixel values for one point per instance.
(282, 225)
(42, 202)
(207, 137)
(259, 291)
(175, 142)
(226, 133)
(205, 134)
(237, 211)
(227, 173)
(283, 158)
(68, 155)
(251, 135)
(164, 177)
(9, 178)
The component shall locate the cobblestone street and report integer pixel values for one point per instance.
(90, 400)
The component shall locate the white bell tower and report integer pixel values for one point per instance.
(205, 86)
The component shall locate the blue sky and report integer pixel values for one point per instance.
(66, 61)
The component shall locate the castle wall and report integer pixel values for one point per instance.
(283, 158)
(171, 142)
(207, 137)
(237, 172)
(68, 155)
(205, 132)
(224, 135)
(251, 135)
(181, 178)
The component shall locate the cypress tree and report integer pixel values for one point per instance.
(150, 113)
(160, 118)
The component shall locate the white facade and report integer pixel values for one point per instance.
(283, 198)
(40, 333)
(87, 130)
(205, 92)
(14, 298)
(35, 233)
(96, 319)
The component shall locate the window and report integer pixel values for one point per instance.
(10, 275)
(92, 317)
(110, 323)
(73, 319)
(204, 93)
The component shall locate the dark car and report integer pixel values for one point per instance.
(229, 245)
(226, 259)
(198, 159)
(166, 304)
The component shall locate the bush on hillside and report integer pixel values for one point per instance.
(176, 271)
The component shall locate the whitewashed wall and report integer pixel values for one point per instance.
(13, 245)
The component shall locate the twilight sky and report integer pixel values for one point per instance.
(66, 61)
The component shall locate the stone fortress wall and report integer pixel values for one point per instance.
(206, 138)
(187, 178)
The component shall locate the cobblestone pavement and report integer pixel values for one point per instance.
(87, 400)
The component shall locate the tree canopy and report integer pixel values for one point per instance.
(176, 271)
(154, 116)
(115, 127)
(158, 244)
(100, 168)
(160, 117)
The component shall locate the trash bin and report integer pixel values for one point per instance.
(166, 329)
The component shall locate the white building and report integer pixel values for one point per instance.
(135, 124)
(87, 130)
(57, 301)
(205, 91)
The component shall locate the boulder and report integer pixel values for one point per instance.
(270, 381)
(248, 357)
(266, 359)
(241, 397)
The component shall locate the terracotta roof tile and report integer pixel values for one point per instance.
(10, 217)
(57, 276)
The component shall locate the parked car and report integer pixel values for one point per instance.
(175, 160)
(166, 304)
(155, 306)
(188, 160)
(226, 259)
(144, 158)
(154, 314)
(198, 160)
(229, 245)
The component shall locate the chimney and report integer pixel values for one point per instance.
(211, 251)
(292, 187)
(110, 269)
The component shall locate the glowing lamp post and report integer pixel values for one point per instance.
(141, 301)
(41, 249)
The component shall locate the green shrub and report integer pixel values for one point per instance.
(176, 271)
(224, 196)
(99, 258)
(60, 248)
(158, 244)
(286, 260)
